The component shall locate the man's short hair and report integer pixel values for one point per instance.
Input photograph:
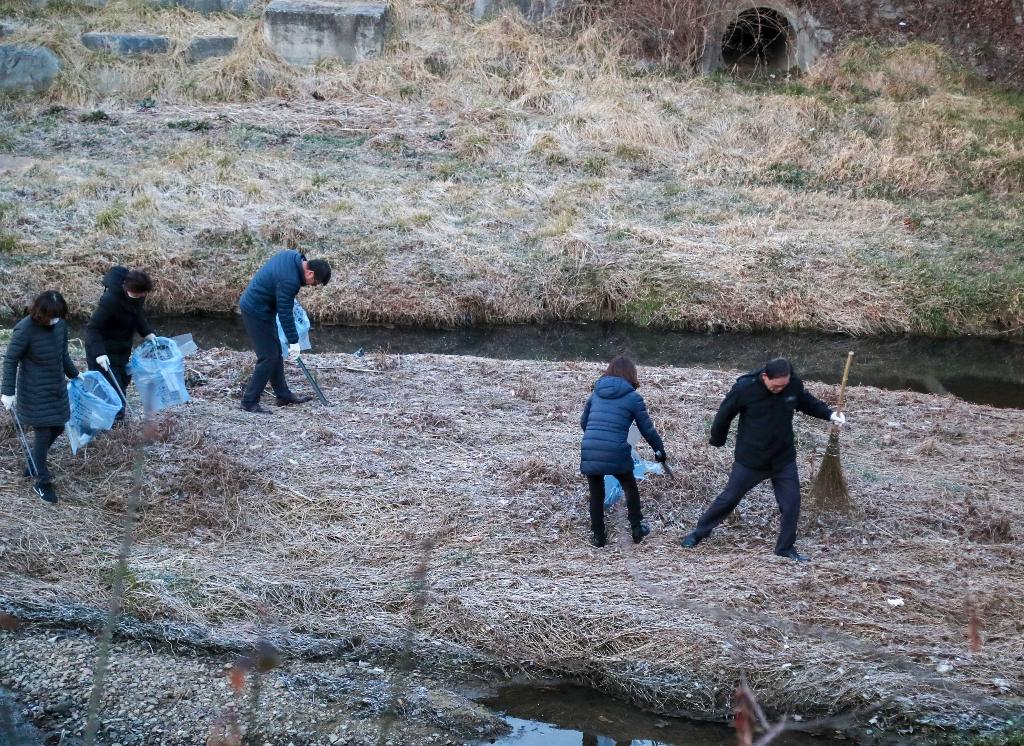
(778, 368)
(321, 270)
(137, 281)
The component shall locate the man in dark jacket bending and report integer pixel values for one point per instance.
(112, 326)
(271, 293)
(765, 401)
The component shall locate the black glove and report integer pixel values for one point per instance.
(660, 456)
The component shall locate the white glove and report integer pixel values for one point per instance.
(104, 362)
(294, 351)
(150, 337)
(838, 418)
(8, 401)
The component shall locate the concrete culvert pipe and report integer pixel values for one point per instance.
(758, 39)
(767, 36)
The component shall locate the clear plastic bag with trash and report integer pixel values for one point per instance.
(301, 326)
(641, 468)
(94, 405)
(158, 368)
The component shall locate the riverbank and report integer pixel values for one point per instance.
(501, 173)
(312, 528)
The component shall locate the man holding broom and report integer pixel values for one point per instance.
(765, 401)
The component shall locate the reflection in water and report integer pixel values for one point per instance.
(985, 371)
(567, 715)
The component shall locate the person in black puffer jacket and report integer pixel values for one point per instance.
(112, 327)
(607, 416)
(765, 401)
(34, 368)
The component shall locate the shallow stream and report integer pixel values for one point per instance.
(984, 371)
(576, 716)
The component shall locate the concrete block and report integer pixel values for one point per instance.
(129, 45)
(207, 7)
(27, 68)
(534, 10)
(306, 31)
(205, 47)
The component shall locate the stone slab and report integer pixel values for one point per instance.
(128, 45)
(209, 7)
(304, 32)
(27, 68)
(205, 47)
(534, 10)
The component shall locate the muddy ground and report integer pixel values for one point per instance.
(436, 508)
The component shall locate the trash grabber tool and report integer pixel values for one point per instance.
(25, 444)
(668, 470)
(117, 387)
(312, 382)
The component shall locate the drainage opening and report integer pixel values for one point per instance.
(758, 39)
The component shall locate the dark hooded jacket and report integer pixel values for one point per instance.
(273, 289)
(764, 437)
(116, 319)
(34, 368)
(609, 412)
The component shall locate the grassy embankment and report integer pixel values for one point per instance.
(501, 174)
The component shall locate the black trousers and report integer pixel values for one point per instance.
(43, 438)
(596, 484)
(119, 370)
(786, 483)
(269, 361)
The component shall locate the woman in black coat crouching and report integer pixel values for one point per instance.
(609, 412)
(34, 368)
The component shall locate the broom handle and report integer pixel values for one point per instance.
(846, 376)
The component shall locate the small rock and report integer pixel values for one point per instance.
(27, 68)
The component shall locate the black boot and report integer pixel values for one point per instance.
(640, 530)
(598, 539)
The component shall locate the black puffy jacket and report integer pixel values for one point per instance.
(764, 438)
(35, 365)
(116, 319)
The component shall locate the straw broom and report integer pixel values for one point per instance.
(830, 493)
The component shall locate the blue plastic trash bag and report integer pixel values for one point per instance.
(641, 468)
(158, 368)
(94, 405)
(301, 326)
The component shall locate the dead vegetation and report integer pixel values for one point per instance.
(502, 173)
(910, 612)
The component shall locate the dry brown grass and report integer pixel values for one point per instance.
(501, 173)
(314, 514)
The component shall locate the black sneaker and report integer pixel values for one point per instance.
(598, 539)
(690, 541)
(640, 530)
(794, 555)
(45, 492)
(255, 408)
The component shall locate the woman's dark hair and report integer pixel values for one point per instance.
(625, 368)
(137, 281)
(47, 306)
